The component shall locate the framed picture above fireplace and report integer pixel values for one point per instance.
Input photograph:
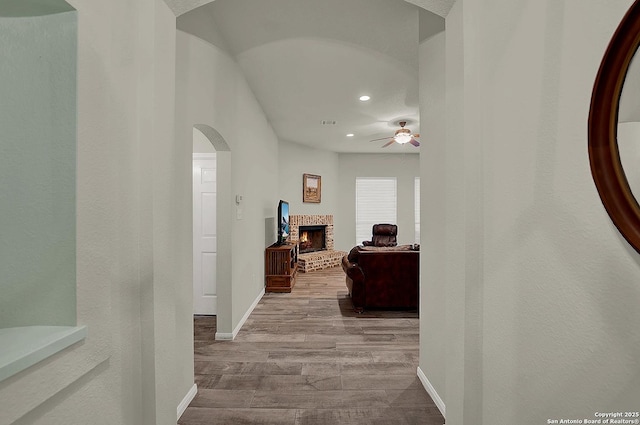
(311, 188)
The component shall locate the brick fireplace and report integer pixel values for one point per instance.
(295, 221)
(321, 259)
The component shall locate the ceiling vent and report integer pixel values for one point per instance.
(328, 122)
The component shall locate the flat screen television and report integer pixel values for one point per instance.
(283, 221)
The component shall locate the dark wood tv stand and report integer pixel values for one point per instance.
(280, 267)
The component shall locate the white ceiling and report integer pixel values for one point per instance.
(308, 61)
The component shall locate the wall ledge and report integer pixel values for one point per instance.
(22, 347)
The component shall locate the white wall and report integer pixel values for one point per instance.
(212, 91)
(548, 288)
(294, 161)
(433, 212)
(130, 232)
(453, 253)
(171, 230)
(406, 167)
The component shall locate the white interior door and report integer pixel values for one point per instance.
(205, 300)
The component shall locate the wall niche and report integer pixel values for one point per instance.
(38, 46)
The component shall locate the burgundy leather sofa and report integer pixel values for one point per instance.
(383, 277)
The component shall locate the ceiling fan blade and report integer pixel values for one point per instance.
(416, 135)
(382, 138)
(388, 143)
(414, 142)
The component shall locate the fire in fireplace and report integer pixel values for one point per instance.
(312, 238)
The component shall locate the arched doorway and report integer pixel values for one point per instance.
(212, 222)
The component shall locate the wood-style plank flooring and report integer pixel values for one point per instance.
(306, 358)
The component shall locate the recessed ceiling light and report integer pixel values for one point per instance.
(350, 135)
(365, 98)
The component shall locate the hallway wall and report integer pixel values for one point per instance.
(545, 290)
(129, 232)
(541, 291)
(211, 90)
(433, 200)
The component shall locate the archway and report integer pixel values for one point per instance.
(218, 149)
(438, 7)
(422, 6)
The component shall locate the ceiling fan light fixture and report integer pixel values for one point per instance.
(403, 136)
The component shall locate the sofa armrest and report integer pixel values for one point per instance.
(352, 270)
(355, 282)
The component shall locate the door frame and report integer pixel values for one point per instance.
(224, 224)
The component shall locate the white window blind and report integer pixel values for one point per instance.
(416, 209)
(376, 199)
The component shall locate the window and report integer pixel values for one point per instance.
(416, 209)
(376, 200)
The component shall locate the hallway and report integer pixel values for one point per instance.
(306, 358)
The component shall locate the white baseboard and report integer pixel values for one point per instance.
(186, 400)
(220, 336)
(432, 392)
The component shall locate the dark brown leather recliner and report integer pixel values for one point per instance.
(383, 235)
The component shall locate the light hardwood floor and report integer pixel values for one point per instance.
(306, 358)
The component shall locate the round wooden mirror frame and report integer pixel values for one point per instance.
(604, 157)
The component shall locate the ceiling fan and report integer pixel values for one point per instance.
(402, 136)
